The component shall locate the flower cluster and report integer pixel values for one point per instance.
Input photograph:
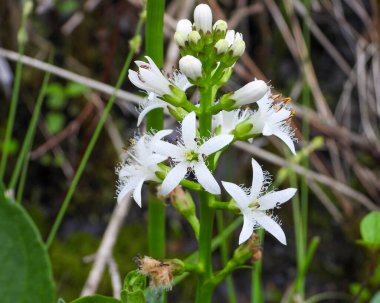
(209, 52)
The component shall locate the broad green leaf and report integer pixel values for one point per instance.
(376, 298)
(25, 273)
(369, 229)
(96, 299)
(54, 122)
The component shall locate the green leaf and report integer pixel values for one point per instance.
(54, 122)
(74, 89)
(369, 229)
(25, 274)
(96, 299)
(134, 286)
(57, 99)
(67, 6)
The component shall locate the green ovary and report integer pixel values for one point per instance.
(192, 156)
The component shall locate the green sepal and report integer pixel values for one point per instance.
(178, 113)
(226, 103)
(176, 98)
(242, 129)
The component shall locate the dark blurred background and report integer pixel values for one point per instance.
(340, 65)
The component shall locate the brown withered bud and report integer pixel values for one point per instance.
(159, 273)
(256, 248)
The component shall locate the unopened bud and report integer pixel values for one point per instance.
(250, 93)
(180, 38)
(194, 37)
(191, 67)
(203, 18)
(238, 48)
(184, 26)
(221, 46)
(220, 26)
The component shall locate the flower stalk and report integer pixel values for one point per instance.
(207, 128)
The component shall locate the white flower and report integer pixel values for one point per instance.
(190, 155)
(152, 101)
(250, 93)
(227, 121)
(232, 37)
(254, 205)
(271, 119)
(203, 18)
(191, 67)
(150, 78)
(140, 166)
(184, 26)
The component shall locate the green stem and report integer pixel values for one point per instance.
(224, 253)
(204, 294)
(305, 125)
(91, 145)
(155, 121)
(300, 247)
(216, 242)
(257, 292)
(14, 100)
(30, 133)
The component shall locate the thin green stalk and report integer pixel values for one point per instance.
(257, 288)
(21, 185)
(155, 121)
(93, 140)
(15, 92)
(30, 133)
(298, 229)
(224, 253)
(204, 294)
(216, 242)
(305, 125)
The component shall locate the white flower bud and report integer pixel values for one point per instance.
(221, 46)
(184, 26)
(203, 18)
(191, 67)
(180, 38)
(238, 48)
(220, 26)
(194, 37)
(250, 93)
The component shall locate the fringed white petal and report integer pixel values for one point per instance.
(206, 179)
(215, 143)
(173, 178)
(274, 199)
